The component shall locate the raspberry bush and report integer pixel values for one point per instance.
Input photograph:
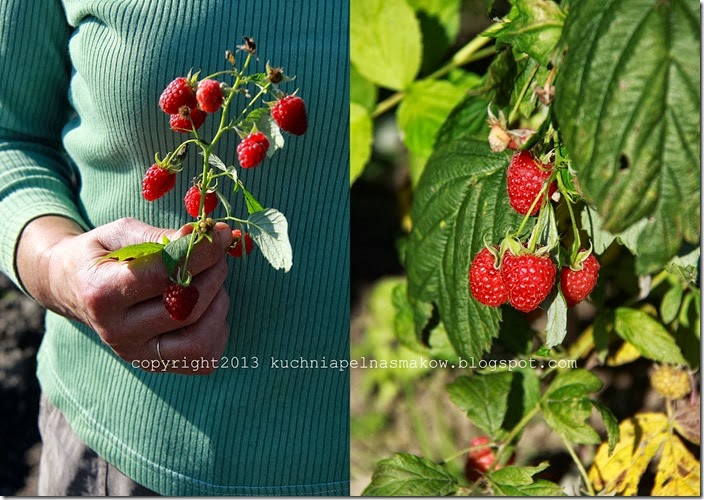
(551, 210)
(188, 101)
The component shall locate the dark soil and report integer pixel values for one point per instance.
(21, 327)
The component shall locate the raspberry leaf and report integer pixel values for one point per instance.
(532, 27)
(484, 398)
(253, 205)
(648, 336)
(361, 138)
(137, 251)
(460, 199)
(174, 252)
(269, 230)
(518, 481)
(556, 327)
(624, 100)
(386, 53)
(408, 475)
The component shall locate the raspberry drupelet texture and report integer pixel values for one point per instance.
(528, 279)
(485, 281)
(252, 150)
(157, 182)
(290, 114)
(178, 93)
(181, 121)
(209, 96)
(192, 201)
(577, 285)
(524, 180)
(179, 300)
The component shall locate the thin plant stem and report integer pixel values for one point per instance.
(580, 466)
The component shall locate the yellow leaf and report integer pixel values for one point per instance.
(640, 439)
(625, 354)
(678, 471)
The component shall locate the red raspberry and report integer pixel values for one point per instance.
(236, 248)
(576, 285)
(157, 182)
(192, 201)
(179, 300)
(290, 114)
(209, 95)
(525, 179)
(480, 460)
(252, 150)
(485, 281)
(528, 279)
(178, 93)
(181, 122)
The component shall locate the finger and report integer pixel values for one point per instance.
(143, 279)
(197, 348)
(150, 318)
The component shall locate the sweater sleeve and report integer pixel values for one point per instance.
(36, 179)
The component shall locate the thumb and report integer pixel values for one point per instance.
(129, 231)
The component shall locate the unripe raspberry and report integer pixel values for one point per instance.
(670, 382)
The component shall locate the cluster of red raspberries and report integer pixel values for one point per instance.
(188, 102)
(512, 273)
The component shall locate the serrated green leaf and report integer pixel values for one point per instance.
(174, 252)
(567, 408)
(361, 138)
(268, 126)
(484, 398)
(362, 91)
(567, 417)
(460, 200)
(409, 475)
(252, 203)
(533, 27)
(556, 327)
(513, 475)
(624, 101)
(131, 252)
(216, 162)
(385, 42)
(426, 105)
(651, 339)
(601, 239)
(518, 481)
(252, 117)
(269, 230)
(610, 422)
(585, 380)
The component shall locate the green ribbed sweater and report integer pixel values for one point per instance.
(79, 125)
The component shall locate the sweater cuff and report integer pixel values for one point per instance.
(19, 208)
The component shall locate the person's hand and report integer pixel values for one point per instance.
(60, 265)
